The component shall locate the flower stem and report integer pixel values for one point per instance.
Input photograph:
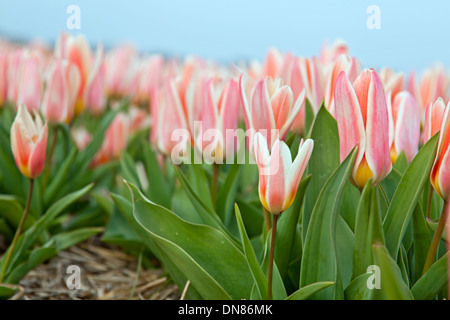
(48, 161)
(271, 256)
(215, 182)
(430, 198)
(436, 238)
(266, 220)
(19, 231)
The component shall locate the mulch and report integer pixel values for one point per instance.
(107, 273)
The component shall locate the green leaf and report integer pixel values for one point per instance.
(406, 196)
(324, 160)
(226, 197)
(429, 285)
(319, 261)
(392, 285)
(36, 257)
(368, 229)
(208, 216)
(7, 290)
(65, 240)
(12, 211)
(129, 171)
(252, 261)
(309, 290)
(157, 191)
(60, 177)
(215, 266)
(287, 226)
(29, 236)
(422, 241)
(358, 288)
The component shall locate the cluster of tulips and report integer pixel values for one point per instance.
(346, 158)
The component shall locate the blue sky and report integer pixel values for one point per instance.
(413, 34)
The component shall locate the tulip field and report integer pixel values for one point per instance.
(298, 178)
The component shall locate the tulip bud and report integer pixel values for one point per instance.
(362, 118)
(63, 83)
(279, 177)
(440, 173)
(404, 125)
(433, 119)
(29, 143)
(270, 108)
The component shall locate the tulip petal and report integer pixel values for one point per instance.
(280, 161)
(407, 126)
(296, 171)
(349, 120)
(36, 161)
(377, 130)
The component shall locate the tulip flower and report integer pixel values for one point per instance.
(392, 81)
(81, 137)
(63, 83)
(116, 139)
(434, 83)
(433, 119)
(29, 143)
(3, 73)
(273, 63)
(95, 91)
(220, 113)
(440, 174)
(404, 125)
(76, 50)
(362, 119)
(440, 180)
(120, 69)
(279, 178)
(30, 86)
(15, 57)
(270, 108)
(168, 116)
(329, 53)
(305, 74)
(351, 67)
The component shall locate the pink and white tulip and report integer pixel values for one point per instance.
(95, 91)
(404, 125)
(363, 120)
(279, 176)
(440, 173)
(269, 108)
(29, 142)
(351, 67)
(221, 105)
(30, 85)
(62, 85)
(433, 119)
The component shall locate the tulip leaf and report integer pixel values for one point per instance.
(12, 211)
(158, 190)
(392, 286)
(27, 239)
(226, 197)
(64, 240)
(286, 229)
(215, 266)
(358, 288)
(323, 162)
(368, 229)
(128, 168)
(208, 216)
(257, 273)
(406, 196)
(7, 290)
(422, 241)
(60, 178)
(309, 290)
(429, 285)
(319, 262)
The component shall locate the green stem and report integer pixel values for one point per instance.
(215, 182)
(271, 256)
(48, 161)
(266, 220)
(18, 232)
(436, 238)
(430, 198)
